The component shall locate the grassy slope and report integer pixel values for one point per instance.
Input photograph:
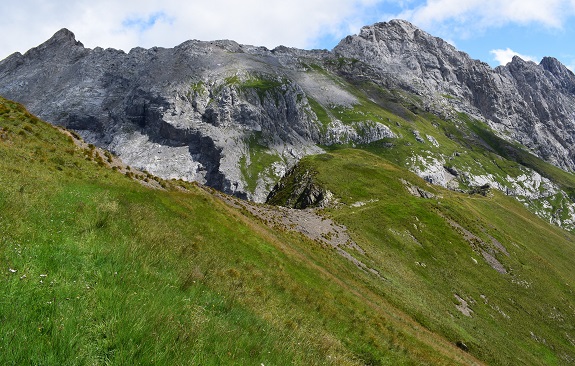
(523, 317)
(97, 269)
(111, 272)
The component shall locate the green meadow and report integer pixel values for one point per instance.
(97, 268)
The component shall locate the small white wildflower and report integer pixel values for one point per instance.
(43, 275)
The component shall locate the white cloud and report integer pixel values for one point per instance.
(297, 23)
(126, 24)
(476, 14)
(505, 56)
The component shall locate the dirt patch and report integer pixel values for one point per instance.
(493, 262)
(498, 245)
(307, 222)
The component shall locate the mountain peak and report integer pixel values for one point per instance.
(61, 43)
(518, 60)
(403, 24)
(398, 27)
(554, 66)
(64, 36)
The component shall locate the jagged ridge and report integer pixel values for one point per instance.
(531, 103)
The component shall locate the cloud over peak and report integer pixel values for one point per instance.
(147, 23)
(503, 57)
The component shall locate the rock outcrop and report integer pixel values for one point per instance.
(299, 189)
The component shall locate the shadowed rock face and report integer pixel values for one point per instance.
(226, 114)
(299, 189)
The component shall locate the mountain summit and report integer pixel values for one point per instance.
(532, 104)
(238, 117)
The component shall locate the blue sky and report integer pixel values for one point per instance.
(489, 30)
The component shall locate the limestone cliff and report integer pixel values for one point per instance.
(212, 112)
(532, 104)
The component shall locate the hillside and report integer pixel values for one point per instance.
(100, 268)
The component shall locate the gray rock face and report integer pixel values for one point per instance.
(530, 103)
(231, 116)
(237, 117)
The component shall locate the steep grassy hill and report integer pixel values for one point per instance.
(476, 269)
(97, 268)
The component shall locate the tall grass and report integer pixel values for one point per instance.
(97, 269)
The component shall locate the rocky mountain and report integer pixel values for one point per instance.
(202, 111)
(528, 103)
(238, 117)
